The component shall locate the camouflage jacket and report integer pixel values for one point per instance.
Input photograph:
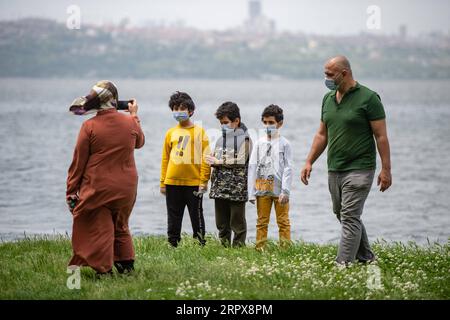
(229, 183)
(229, 175)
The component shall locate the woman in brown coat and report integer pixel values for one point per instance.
(102, 182)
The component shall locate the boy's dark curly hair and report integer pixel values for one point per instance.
(273, 110)
(228, 109)
(181, 99)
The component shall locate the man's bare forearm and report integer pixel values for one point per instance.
(385, 151)
(318, 146)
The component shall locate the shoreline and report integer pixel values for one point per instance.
(16, 237)
(37, 269)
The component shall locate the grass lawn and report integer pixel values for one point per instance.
(36, 268)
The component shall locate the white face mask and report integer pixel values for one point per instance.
(271, 129)
(226, 128)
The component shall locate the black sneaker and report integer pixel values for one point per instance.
(125, 266)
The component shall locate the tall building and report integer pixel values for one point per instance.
(403, 31)
(257, 22)
(254, 9)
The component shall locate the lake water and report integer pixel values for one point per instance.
(38, 135)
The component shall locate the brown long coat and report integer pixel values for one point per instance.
(104, 174)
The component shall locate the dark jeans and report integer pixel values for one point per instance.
(230, 216)
(177, 198)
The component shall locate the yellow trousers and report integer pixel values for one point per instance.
(263, 207)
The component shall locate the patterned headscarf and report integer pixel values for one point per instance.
(102, 96)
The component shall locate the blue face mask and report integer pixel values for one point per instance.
(180, 115)
(271, 129)
(226, 128)
(331, 84)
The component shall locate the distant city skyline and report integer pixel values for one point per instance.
(325, 17)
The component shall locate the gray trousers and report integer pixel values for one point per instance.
(349, 191)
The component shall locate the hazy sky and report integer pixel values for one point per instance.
(321, 17)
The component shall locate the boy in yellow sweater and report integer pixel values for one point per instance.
(184, 172)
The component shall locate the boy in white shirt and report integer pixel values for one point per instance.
(270, 177)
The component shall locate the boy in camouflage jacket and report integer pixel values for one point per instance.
(229, 177)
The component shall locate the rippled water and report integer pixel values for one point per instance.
(38, 135)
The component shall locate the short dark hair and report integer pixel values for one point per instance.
(181, 99)
(228, 109)
(273, 111)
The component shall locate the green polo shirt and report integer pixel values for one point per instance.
(351, 144)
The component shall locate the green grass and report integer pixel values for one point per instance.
(36, 268)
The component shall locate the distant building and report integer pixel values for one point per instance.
(257, 22)
(254, 9)
(403, 31)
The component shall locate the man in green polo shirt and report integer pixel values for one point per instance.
(352, 115)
